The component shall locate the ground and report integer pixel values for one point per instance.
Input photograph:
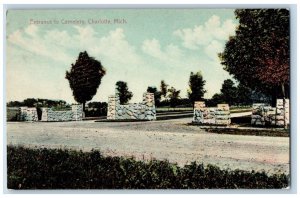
(171, 139)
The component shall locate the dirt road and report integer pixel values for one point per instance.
(171, 140)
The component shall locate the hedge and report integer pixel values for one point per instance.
(68, 169)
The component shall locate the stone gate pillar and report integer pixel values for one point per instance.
(111, 107)
(77, 110)
(149, 102)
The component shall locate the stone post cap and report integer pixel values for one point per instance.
(223, 106)
(199, 104)
(23, 108)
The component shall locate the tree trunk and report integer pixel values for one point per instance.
(83, 110)
(284, 111)
(274, 97)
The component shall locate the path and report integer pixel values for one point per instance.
(170, 139)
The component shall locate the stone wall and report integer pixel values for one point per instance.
(134, 111)
(222, 114)
(78, 113)
(211, 115)
(27, 114)
(49, 115)
(280, 112)
(265, 115)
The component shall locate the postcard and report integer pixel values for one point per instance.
(164, 98)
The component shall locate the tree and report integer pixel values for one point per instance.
(163, 88)
(216, 99)
(174, 96)
(157, 94)
(244, 95)
(275, 70)
(85, 77)
(30, 102)
(96, 109)
(124, 94)
(228, 92)
(14, 104)
(196, 87)
(258, 55)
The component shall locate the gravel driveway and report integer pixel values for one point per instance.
(171, 140)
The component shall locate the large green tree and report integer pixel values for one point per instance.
(229, 92)
(244, 95)
(215, 100)
(196, 87)
(258, 55)
(174, 96)
(30, 102)
(85, 77)
(123, 91)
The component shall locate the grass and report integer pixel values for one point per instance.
(254, 132)
(67, 169)
(59, 108)
(181, 109)
(171, 109)
(240, 110)
(245, 128)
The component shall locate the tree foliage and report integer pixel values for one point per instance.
(123, 91)
(258, 55)
(85, 77)
(215, 100)
(196, 87)
(228, 92)
(174, 96)
(244, 95)
(96, 109)
(233, 95)
(32, 102)
(42, 168)
(163, 88)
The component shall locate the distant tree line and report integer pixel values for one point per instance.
(39, 103)
(169, 96)
(32, 102)
(94, 109)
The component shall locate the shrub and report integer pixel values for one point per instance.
(66, 169)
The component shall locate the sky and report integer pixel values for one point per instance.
(138, 46)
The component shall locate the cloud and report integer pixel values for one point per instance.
(55, 44)
(30, 41)
(49, 53)
(170, 53)
(116, 47)
(31, 30)
(179, 63)
(213, 48)
(152, 48)
(201, 35)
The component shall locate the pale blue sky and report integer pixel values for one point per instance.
(154, 45)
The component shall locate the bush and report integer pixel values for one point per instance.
(12, 114)
(96, 109)
(66, 169)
